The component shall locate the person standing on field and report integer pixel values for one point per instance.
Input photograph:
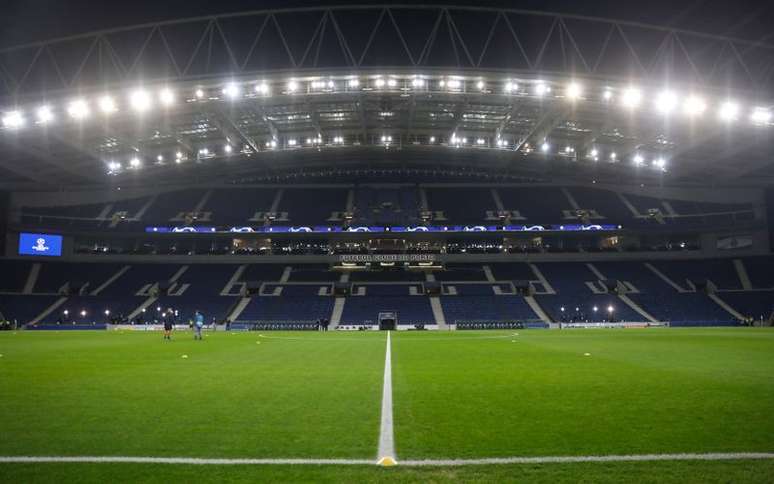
(198, 324)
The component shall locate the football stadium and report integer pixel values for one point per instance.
(387, 242)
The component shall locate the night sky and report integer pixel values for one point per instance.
(31, 20)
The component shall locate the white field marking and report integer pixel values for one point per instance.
(386, 438)
(323, 339)
(411, 463)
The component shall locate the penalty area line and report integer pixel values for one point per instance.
(408, 463)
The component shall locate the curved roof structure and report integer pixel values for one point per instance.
(538, 93)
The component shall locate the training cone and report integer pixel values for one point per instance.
(387, 462)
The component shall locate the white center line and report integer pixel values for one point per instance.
(386, 454)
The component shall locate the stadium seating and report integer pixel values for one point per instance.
(381, 204)
(306, 295)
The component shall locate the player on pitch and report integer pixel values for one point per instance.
(198, 324)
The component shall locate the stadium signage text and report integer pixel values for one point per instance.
(377, 229)
(387, 258)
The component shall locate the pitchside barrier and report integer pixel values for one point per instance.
(530, 324)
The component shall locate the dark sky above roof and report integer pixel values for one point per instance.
(32, 20)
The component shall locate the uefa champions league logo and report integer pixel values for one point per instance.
(40, 245)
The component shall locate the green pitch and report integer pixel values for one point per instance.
(456, 395)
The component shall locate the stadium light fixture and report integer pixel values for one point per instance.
(317, 84)
(454, 84)
(292, 86)
(574, 91)
(228, 149)
(659, 163)
(107, 105)
(338, 139)
(107, 312)
(78, 109)
(139, 100)
(610, 309)
(607, 95)
(417, 82)
(134, 162)
(729, 111)
(83, 313)
(666, 102)
(638, 159)
(199, 94)
(160, 158)
(432, 139)
(480, 141)
(695, 106)
(178, 157)
(114, 166)
(44, 114)
(541, 89)
(353, 83)
(511, 86)
(292, 142)
(262, 89)
(761, 116)
(167, 97)
(545, 147)
(392, 82)
(613, 156)
(480, 85)
(594, 153)
(379, 82)
(232, 91)
(632, 97)
(13, 119)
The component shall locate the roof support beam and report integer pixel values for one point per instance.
(225, 123)
(550, 120)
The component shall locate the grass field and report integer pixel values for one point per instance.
(456, 395)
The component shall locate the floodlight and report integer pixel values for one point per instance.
(659, 163)
(666, 102)
(199, 94)
(613, 156)
(545, 147)
(160, 158)
(594, 153)
(761, 116)
(574, 91)
(232, 91)
(44, 114)
(638, 159)
(432, 139)
(694, 106)
(353, 83)
(541, 89)
(480, 141)
(13, 119)
(379, 82)
(392, 82)
(632, 97)
(607, 95)
(480, 85)
(167, 97)
(262, 88)
(107, 105)
(729, 111)
(78, 109)
(292, 142)
(511, 86)
(139, 100)
(417, 82)
(134, 162)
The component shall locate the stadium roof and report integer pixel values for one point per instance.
(523, 91)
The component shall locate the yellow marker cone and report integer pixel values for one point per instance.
(387, 462)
